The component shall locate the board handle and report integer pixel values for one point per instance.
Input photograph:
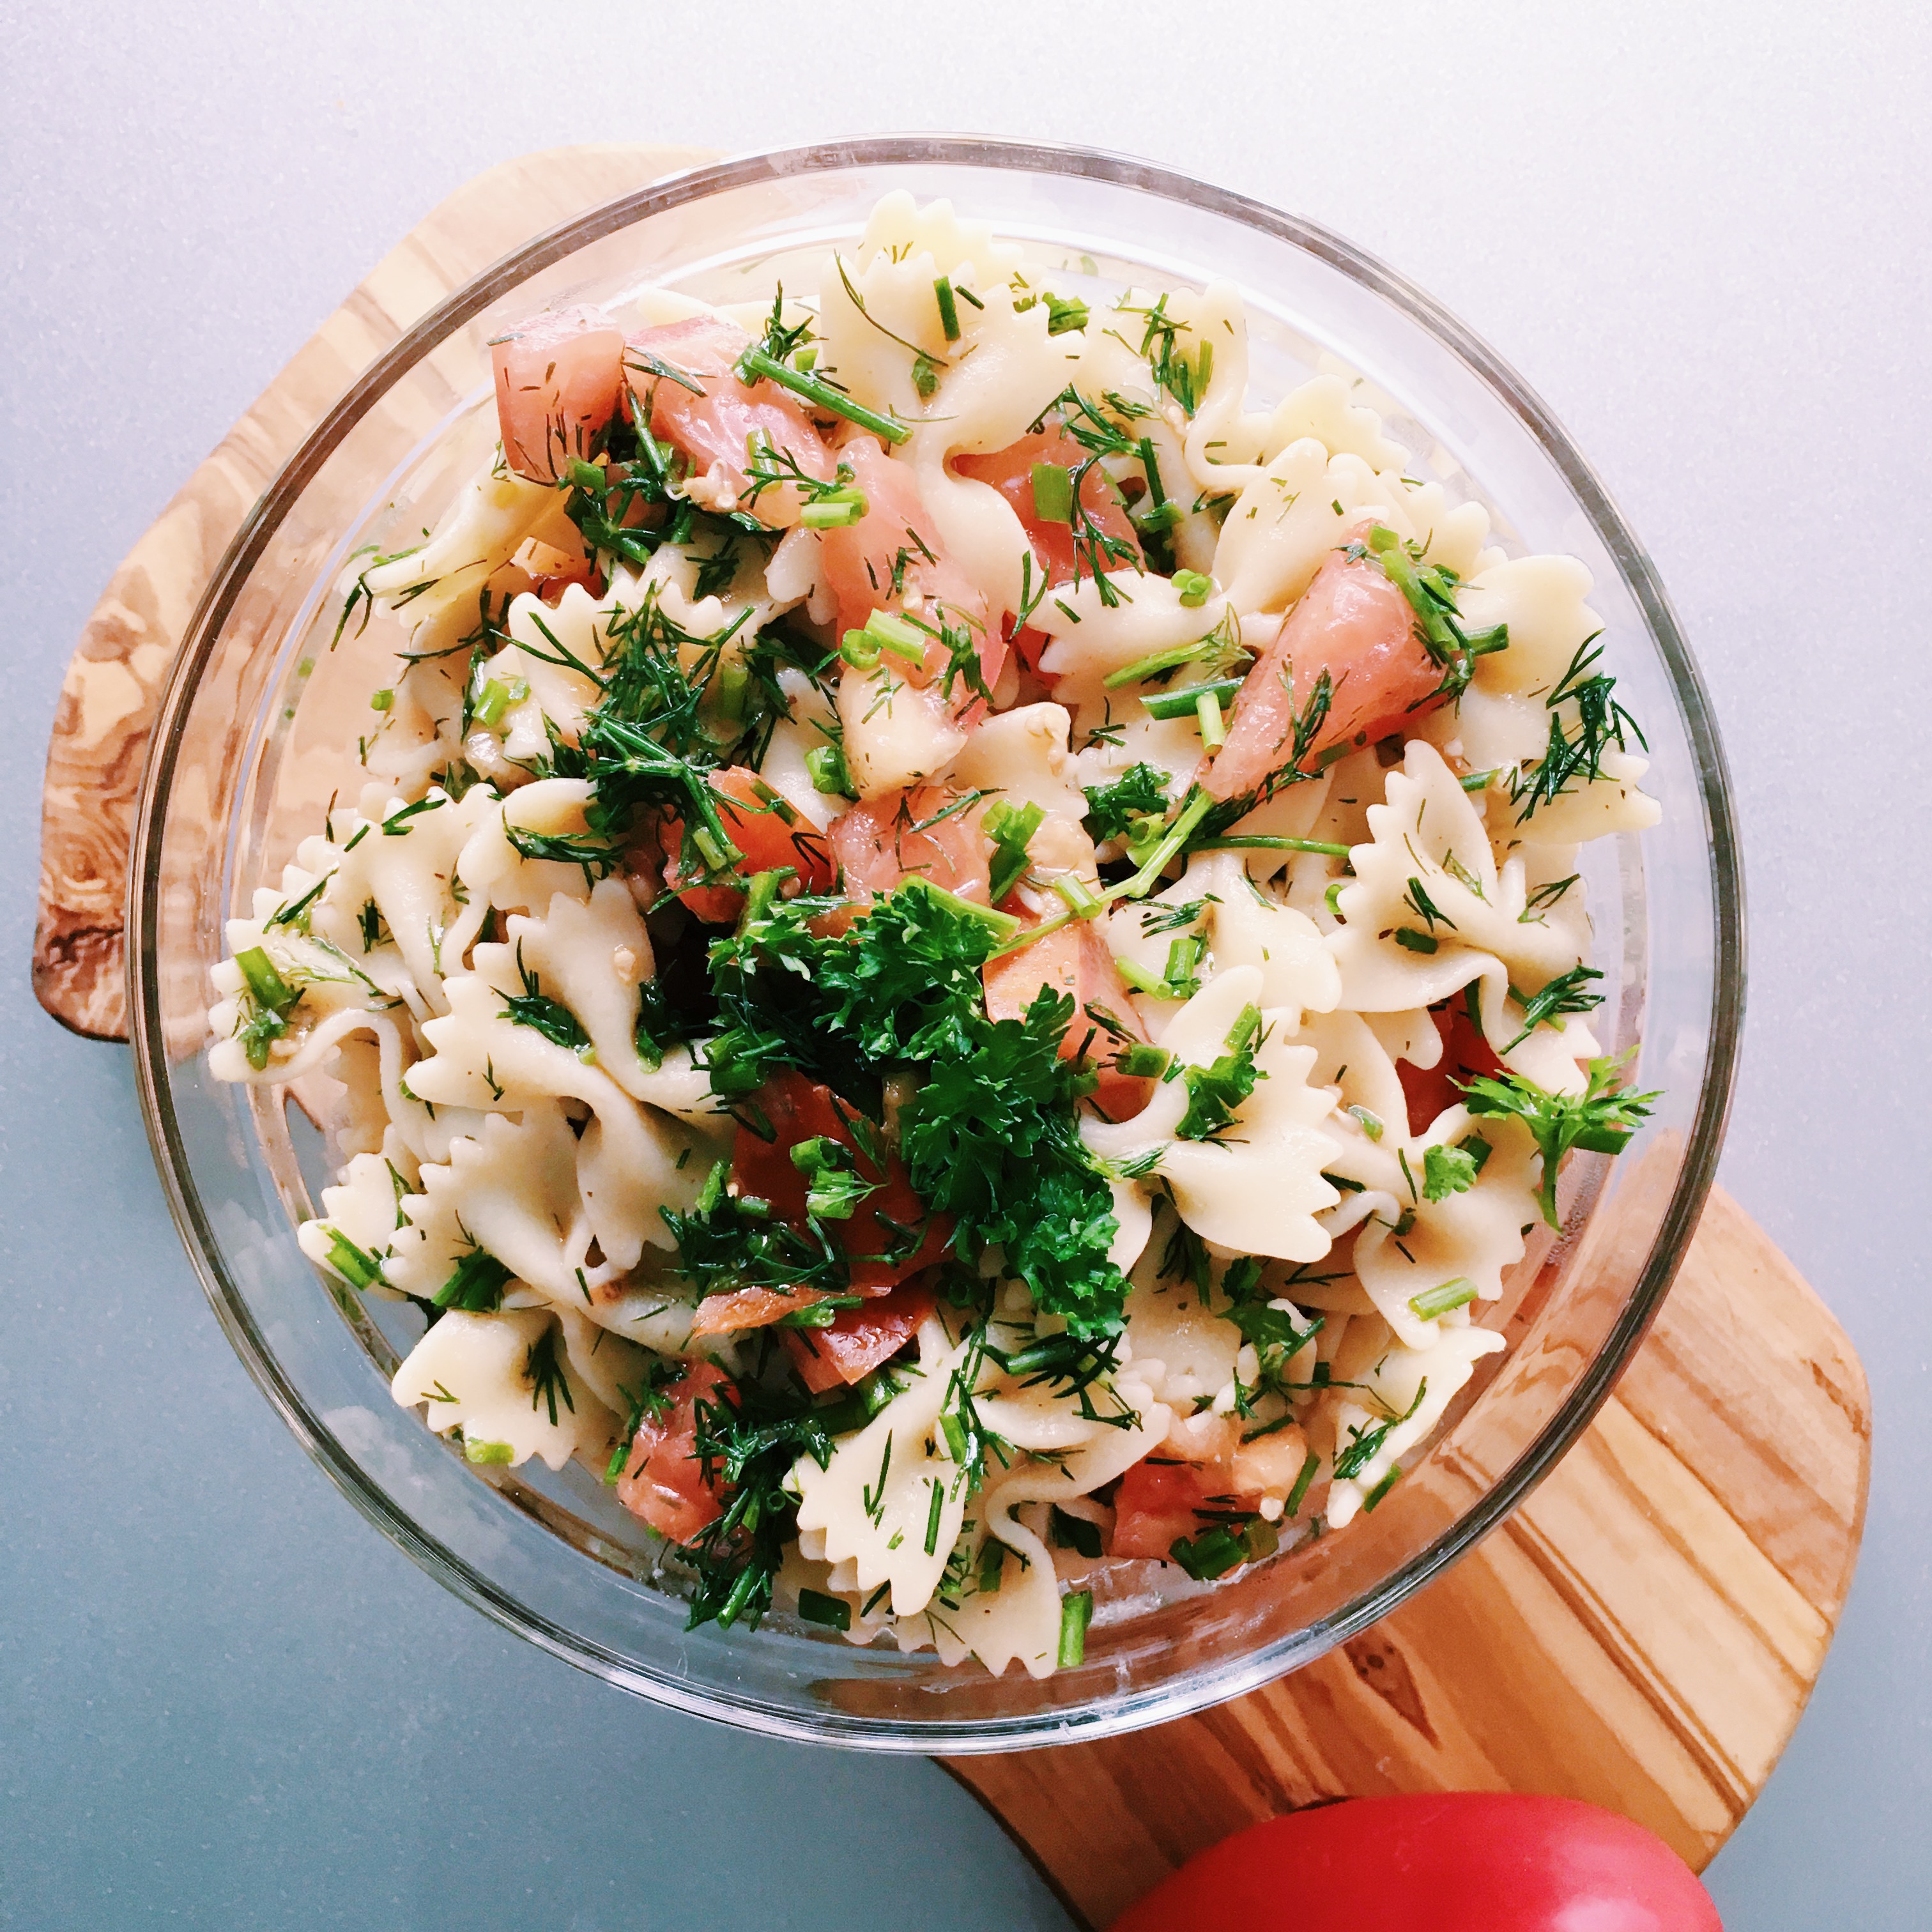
(112, 691)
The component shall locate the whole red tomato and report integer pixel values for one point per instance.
(1446, 1861)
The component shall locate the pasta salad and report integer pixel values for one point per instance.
(962, 962)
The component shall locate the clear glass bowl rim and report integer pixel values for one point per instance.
(1694, 1179)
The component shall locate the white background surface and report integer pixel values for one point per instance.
(1700, 232)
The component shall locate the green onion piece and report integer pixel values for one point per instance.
(1081, 901)
(1052, 494)
(825, 764)
(760, 897)
(1439, 1300)
(1241, 841)
(1478, 780)
(1184, 703)
(806, 358)
(1382, 1488)
(271, 992)
(754, 365)
(1003, 923)
(497, 698)
(1141, 1062)
(1371, 1123)
(1137, 976)
(382, 700)
(1301, 1483)
(1260, 1539)
(1331, 898)
(1414, 941)
(587, 475)
(1156, 518)
(733, 681)
(1207, 710)
(1195, 589)
(488, 1452)
(1076, 1612)
(718, 857)
(356, 1266)
(948, 310)
(860, 649)
(896, 634)
(924, 376)
(1155, 662)
(838, 510)
(832, 1612)
(1197, 807)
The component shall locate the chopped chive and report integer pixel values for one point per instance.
(488, 1452)
(381, 701)
(1301, 1483)
(1052, 494)
(1382, 1488)
(1331, 898)
(357, 1266)
(1439, 1300)
(1081, 901)
(872, 1602)
(1076, 1612)
(754, 365)
(832, 1612)
(825, 765)
(1241, 841)
(271, 992)
(1415, 942)
(932, 1517)
(948, 310)
(1208, 710)
(1183, 703)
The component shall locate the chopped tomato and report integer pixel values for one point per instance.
(1010, 472)
(769, 833)
(800, 1110)
(750, 1308)
(1074, 959)
(1448, 1861)
(901, 835)
(558, 380)
(664, 1480)
(1428, 1090)
(891, 559)
(710, 429)
(859, 1339)
(1156, 1506)
(1354, 624)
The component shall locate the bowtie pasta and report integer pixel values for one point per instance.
(962, 962)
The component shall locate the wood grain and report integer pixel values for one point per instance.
(1642, 1632)
(120, 666)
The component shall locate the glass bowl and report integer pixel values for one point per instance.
(249, 749)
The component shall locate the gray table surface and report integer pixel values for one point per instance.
(1699, 232)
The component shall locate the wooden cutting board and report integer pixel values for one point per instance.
(1643, 1632)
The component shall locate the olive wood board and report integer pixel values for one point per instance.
(1643, 1632)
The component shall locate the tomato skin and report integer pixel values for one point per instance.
(799, 1109)
(558, 380)
(878, 850)
(710, 430)
(1010, 472)
(760, 831)
(1074, 959)
(1155, 1506)
(1434, 1861)
(1353, 623)
(663, 1483)
(1429, 1090)
(859, 1339)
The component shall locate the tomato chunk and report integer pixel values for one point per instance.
(901, 835)
(1155, 1507)
(798, 1110)
(1448, 1861)
(664, 1480)
(859, 1339)
(891, 559)
(1354, 624)
(1428, 1090)
(1010, 472)
(1074, 959)
(558, 380)
(767, 831)
(710, 429)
